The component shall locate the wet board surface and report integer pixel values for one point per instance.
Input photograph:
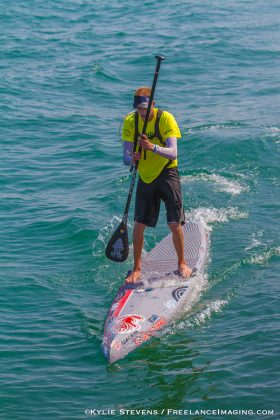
(140, 310)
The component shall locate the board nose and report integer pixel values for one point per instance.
(111, 351)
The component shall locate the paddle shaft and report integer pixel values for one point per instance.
(135, 167)
(125, 216)
(151, 98)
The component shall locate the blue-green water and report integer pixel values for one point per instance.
(68, 71)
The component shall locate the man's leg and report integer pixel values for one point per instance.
(138, 241)
(178, 240)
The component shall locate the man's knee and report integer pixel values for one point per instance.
(139, 227)
(175, 227)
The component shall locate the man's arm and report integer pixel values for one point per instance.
(168, 152)
(127, 152)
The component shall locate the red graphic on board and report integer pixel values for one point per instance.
(120, 303)
(145, 336)
(128, 323)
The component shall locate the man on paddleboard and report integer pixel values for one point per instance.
(158, 176)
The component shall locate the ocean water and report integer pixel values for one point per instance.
(68, 72)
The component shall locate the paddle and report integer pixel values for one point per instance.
(117, 248)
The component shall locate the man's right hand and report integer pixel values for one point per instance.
(136, 156)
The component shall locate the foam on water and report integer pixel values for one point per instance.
(222, 183)
(264, 257)
(208, 215)
(216, 127)
(275, 130)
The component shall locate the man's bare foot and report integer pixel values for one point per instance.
(185, 270)
(133, 277)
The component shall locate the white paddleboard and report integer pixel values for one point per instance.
(141, 309)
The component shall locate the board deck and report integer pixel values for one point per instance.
(142, 309)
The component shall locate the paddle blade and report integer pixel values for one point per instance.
(117, 248)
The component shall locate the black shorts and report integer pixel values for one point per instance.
(165, 187)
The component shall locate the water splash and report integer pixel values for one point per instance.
(196, 287)
(96, 68)
(199, 318)
(255, 240)
(104, 236)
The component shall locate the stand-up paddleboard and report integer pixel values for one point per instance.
(141, 309)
